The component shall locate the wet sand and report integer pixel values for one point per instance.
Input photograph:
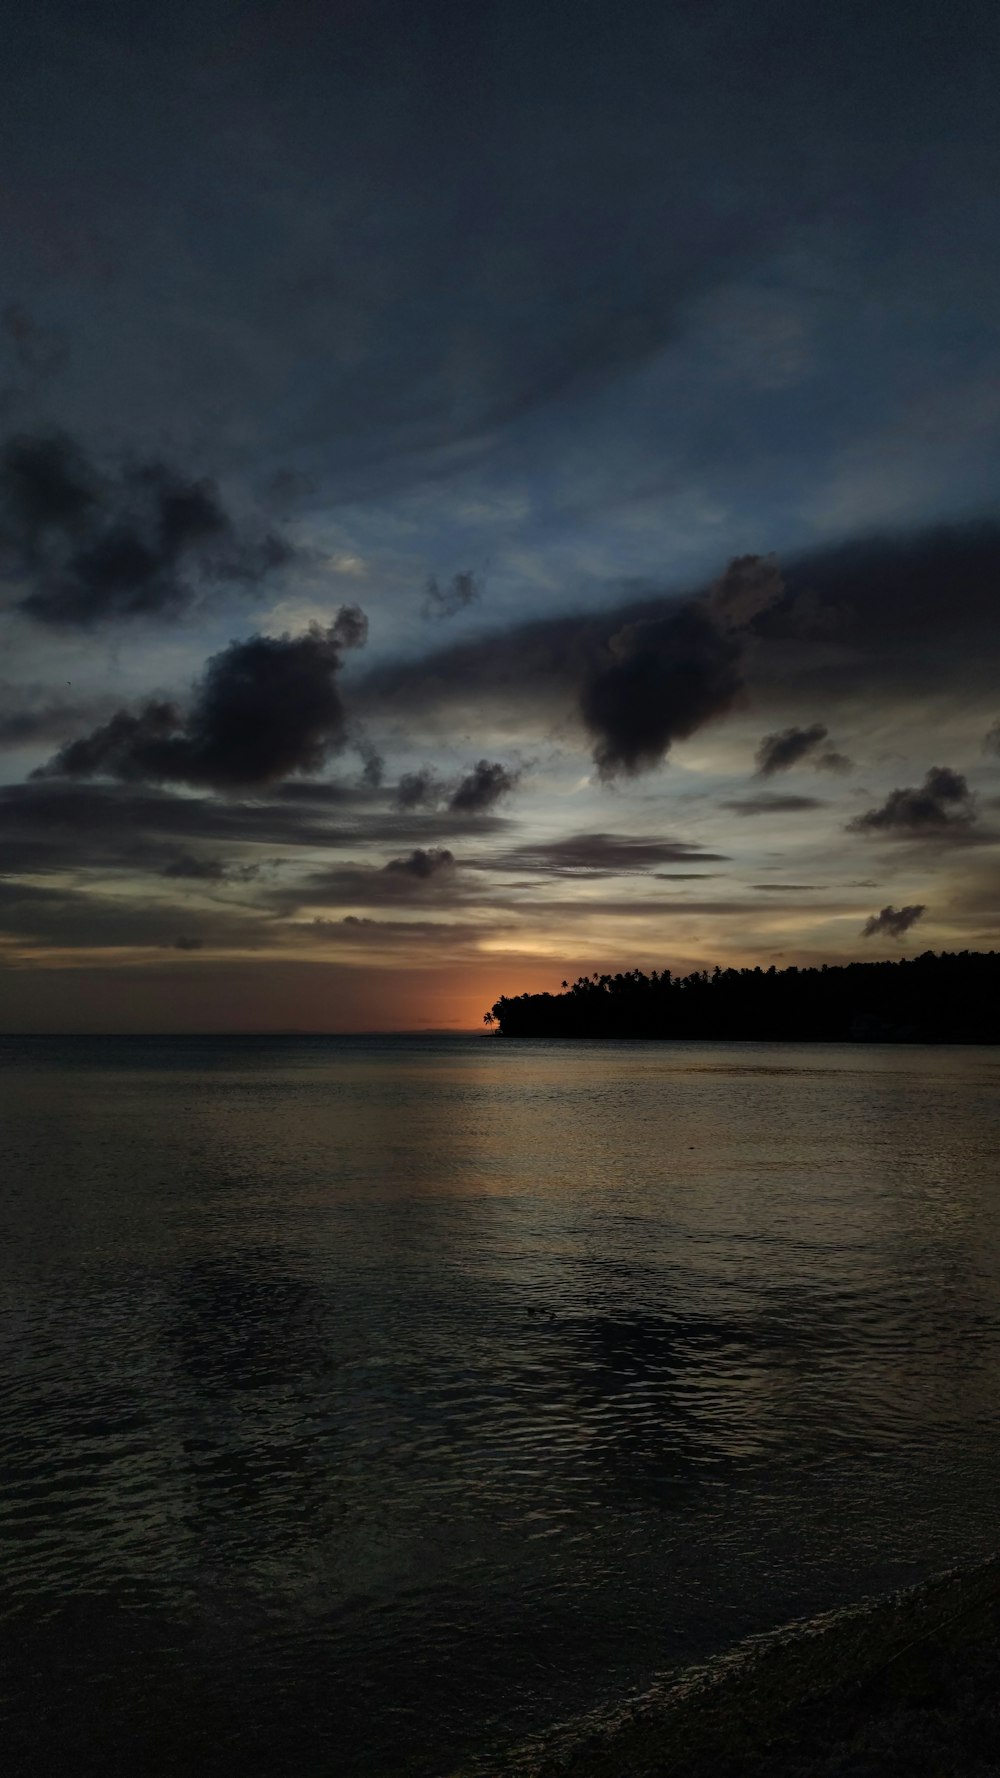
(908, 1684)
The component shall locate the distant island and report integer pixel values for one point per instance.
(953, 997)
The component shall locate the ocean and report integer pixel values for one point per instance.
(369, 1404)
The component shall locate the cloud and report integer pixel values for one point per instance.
(749, 586)
(189, 867)
(122, 747)
(897, 611)
(423, 865)
(61, 917)
(662, 678)
(30, 714)
(767, 803)
(635, 678)
(265, 708)
(201, 870)
(894, 921)
(93, 546)
(433, 940)
(875, 617)
(991, 739)
(372, 763)
(54, 824)
(483, 787)
(780, 752)
(459, 592)
(421, 789)
(423, 876)
(942, 805)
(603, 854)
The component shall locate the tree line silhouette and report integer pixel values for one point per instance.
(951, 997)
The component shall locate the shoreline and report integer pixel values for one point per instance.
(906, 1683)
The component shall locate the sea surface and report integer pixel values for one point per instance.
(367, 1405)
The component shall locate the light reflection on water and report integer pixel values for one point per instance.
(366, 1403)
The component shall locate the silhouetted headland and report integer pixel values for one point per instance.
(953, 997)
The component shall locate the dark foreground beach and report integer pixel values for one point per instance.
(907, 1685)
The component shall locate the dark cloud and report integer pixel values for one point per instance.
(636, 678)
(894, 921)
(92, 546)
(878, 615)
(662, 678)
(421, 789)
(55, 824)
(603, 854)
(767, 803)
(187, 944)
(991, 739)
(620, 908)
(63, 917)
(198, 870)
(942, 805)
(832, 761)
(37, 715)
(122, 747)
(48, 488)
(372, 763)
(459, 592)
(435, 876)
(423, 864)
(898, 613)
(485, 785)
(780, 752)
(189, 867)
(421, 877)
(482, 787)
(528, 276)
(750, 586)
(327, 793)
(265, 708)
(785, 888)
(539, 664)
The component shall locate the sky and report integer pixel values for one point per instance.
(487, 494)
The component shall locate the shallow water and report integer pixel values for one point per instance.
(370, 1403)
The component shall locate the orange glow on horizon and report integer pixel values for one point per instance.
(219, 995)
(229, 995)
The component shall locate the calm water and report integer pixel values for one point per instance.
(366, 1404)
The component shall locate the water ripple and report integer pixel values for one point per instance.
(366, 1405)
